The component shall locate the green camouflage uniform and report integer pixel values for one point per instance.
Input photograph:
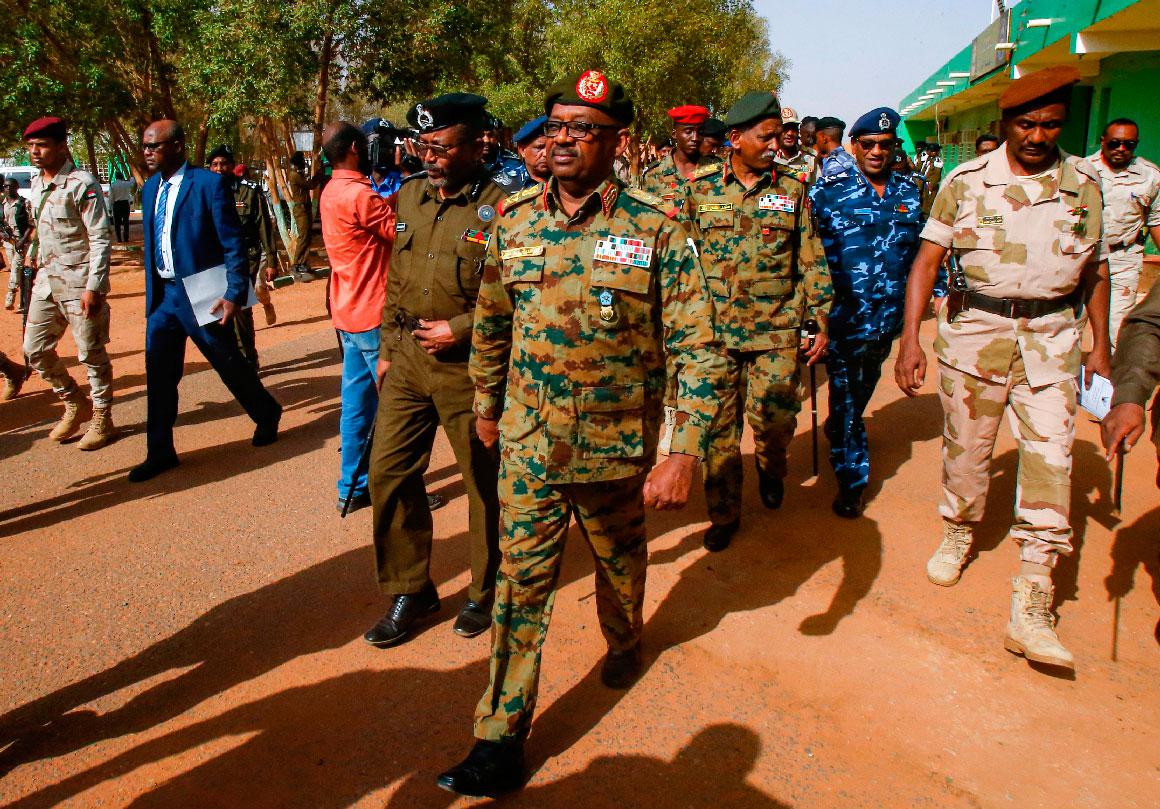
(767, 272)
(575, 331)
(1015, 237)
(665, 180)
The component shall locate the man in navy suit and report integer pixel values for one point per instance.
(190, 225)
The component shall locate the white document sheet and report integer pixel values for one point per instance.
(205, 288)
(1096, 398)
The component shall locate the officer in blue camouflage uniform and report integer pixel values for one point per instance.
(507, 170)
(868, 218)
(834, 158)
(532, 145)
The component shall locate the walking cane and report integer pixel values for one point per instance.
(810, 332)
(1115, 628)
(364, 460)
(1118, 485)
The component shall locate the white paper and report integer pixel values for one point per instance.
(1096, 398)
(205, 288)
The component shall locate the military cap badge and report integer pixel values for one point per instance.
(592, 86)
(423, 116)
(884, 122)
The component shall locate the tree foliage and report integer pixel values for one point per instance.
(251, 71)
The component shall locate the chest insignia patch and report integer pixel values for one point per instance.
(607, 313)
(400, 227)
(715, 206)
(989, 221)
(522, 252)
(776, 202)
(619, 250)
(901, 208)
(477, 237)
(486, 213)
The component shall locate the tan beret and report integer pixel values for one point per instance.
(1037, 85)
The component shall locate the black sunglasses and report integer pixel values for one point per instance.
(1130, 145)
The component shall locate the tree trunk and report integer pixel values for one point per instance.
(159, 73)
(91, 148)
(130, 149)
(202, 137)
(325, 57)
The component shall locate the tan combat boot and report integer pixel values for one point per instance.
(101, 430)
(71, 419)
(1031, 631)
(263, 295)
(13, 381)
(947, 563)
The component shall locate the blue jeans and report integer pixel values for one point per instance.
(360, 400)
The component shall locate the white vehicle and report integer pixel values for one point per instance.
(22, 175)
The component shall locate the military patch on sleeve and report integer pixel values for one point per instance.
(522, 252)
(705, 171)
(645, 197)
(520, 196)
(92, 193)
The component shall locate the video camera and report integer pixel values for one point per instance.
(382, 138)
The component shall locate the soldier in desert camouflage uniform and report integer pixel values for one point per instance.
(590, 297)
(767, 274)
(1024, 223)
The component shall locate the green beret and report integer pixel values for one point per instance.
(714, 128)
(592, 89)
(755, 105)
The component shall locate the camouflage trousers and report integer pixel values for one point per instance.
(47, 320)
(1043, 421)
(1125, 267)
(853, 368)
(763, 386)
(534, 518)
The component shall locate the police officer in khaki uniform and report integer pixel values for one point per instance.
(1023, 225)
(445, 219)
(1131, 187)
(71, 250)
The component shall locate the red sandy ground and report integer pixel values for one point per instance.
(194, 641)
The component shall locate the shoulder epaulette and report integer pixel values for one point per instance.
(789, 171)
(705, 171)
(519, 197)
(1081, 166)
(648, 199)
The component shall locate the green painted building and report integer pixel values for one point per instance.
(1115, 44)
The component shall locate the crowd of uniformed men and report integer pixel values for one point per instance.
(586, 336)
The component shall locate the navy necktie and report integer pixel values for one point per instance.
(159, 226)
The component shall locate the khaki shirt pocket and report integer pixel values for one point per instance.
(618, 295)
(707, 220)
(611, 421)
(469, 258)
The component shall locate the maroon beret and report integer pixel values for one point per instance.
(1037, 85)
(49, 127)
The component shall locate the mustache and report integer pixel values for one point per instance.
(429, 167)
(564, 151)
(768, 155)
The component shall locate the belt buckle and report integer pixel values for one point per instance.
(1008, 308)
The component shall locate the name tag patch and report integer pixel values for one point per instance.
(522, 252)
(776, 202)
(477, 237)
(715, 206)
(619, 250)
(989, 221)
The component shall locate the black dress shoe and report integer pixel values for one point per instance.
(153, 466)
(491, 769)
(474, 619)
(621, 669)
(395, 626)
(358, 501)
(772, 490)
(848, 503)
(266, 434)
(718, 537)
(435, 502)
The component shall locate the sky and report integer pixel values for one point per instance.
(850, 57)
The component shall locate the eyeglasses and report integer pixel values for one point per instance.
(436, 149)
(577, 130)
(1130, 145)
(153, 147)
(869, 144)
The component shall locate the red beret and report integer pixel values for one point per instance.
(689, 114)
(1035, 86)
(53, 128)
(240, 170)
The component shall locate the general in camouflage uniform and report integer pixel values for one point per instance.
(591, 296)
(667, 177)
(71, 251)
(1029, 247)
(868, 220)
(767, 274)
(1131, 187)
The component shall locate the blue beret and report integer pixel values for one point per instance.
(529, 131)
(878, 121)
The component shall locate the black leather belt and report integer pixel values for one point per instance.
(1017, 307)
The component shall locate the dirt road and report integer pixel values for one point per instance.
(195, 641)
